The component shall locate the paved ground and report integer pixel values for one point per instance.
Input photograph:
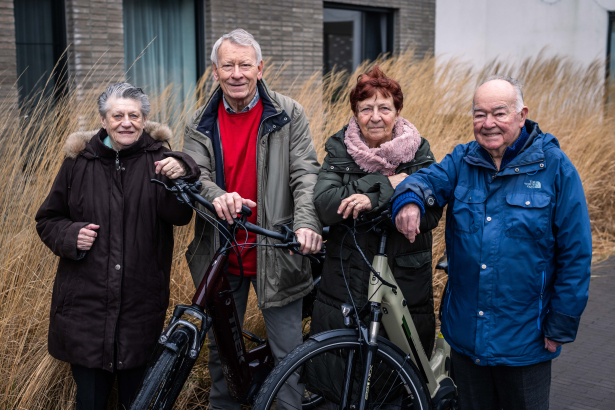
(584, 374)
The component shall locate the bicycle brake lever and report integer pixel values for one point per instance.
(163, 184)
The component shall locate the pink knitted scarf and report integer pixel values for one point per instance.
(386, 158)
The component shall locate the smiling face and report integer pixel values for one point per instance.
(497, 124)
(237, 72)
(376, 117)
(124, 121)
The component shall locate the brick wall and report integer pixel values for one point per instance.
(292, 31)
(415, 22)
(289, 31)
(95, 34)
(8, 56)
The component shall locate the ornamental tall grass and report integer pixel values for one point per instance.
(565, 98)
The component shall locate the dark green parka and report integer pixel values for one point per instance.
(340, 177)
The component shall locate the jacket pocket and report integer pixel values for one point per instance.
(540, 299)
(468, 209)
(413, 274)
(413, 260)
(527, 216)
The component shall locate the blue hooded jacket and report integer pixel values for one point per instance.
(519, 248)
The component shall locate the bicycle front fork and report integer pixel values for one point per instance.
(372, 347)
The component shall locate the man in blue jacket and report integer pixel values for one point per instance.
(519, 246)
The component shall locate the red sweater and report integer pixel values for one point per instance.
(239, 135)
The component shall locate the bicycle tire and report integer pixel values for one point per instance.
(406, 390)
(153, 381)
(178, 384)
(166, 375)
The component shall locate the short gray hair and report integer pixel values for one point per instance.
(240, 37)
(123, 90)
(517, 85)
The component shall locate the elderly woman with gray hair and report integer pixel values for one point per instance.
(113, 231)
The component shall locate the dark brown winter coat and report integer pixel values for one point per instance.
(108, 304)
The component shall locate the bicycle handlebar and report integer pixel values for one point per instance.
(188, 192)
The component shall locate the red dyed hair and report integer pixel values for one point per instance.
(374, 81)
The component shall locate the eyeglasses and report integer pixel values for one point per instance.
(244, 67)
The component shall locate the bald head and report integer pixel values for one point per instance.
(503, 84)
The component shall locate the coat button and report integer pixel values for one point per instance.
(285, 118)
(483, 266)
(274, 127)
(479, 313)
(347, 168)
(477, 361)
(527, 202)
(542, 165)
(430, 201)
(332, 167)
(488, 219)
(516, 169)
(111, 365)
(117, 267)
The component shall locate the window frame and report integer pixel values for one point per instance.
(60, 58)
(391, 15)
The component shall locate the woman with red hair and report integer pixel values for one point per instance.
(365, 161)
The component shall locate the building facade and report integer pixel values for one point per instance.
(105, 39)
(481, 30)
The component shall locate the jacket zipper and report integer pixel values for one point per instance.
(542, 291)
(117, 160)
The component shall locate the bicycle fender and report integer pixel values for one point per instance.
(329, 334)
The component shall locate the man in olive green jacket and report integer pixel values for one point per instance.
(286, 172)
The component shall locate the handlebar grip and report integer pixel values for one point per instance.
(246, 210)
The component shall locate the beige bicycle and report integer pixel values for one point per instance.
(356, 368)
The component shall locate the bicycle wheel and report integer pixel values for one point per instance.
(325, 369)
(166, 376)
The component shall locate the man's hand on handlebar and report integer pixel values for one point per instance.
(228, 205)
(408, 220)
(310, 241)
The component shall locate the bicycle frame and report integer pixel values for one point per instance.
(397, 322)
(241, 367)
(389, 308)
(213, 304)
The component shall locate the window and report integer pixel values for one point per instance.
(355, 34)
(161, 48)
(40, 40)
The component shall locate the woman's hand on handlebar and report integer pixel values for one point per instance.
(310, 241)
(228, 205)
(354, 204)
(171, 167)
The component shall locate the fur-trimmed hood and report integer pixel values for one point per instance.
(77, 141)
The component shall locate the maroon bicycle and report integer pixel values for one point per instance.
(213, 306)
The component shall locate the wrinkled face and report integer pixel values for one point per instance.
(237, 72)
(124, 121)
(376, 117)
(497, 124)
